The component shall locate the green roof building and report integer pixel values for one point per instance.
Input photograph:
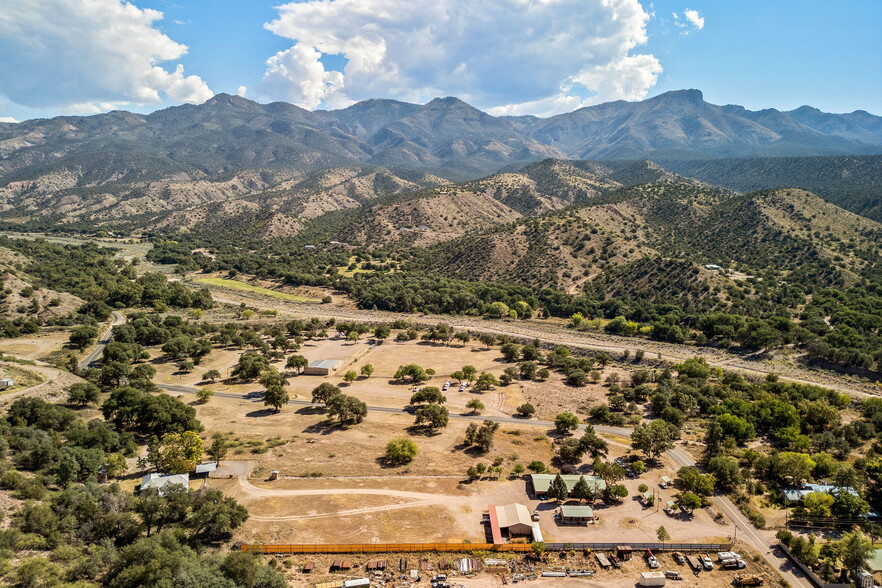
(541, 483)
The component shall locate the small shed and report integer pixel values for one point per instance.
(322, 367)
(203, 470)
(625, 552)
(665, 482)
(6, 383)
(647, 498)
(576, 514)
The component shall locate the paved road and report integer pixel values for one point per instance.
(95, 354)
(746, 530)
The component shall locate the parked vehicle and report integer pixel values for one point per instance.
(706, 561)
(734, 564)
(678, 557)
(672, 575)
(651, 560)
(615, 561)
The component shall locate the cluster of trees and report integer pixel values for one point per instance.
(71, 529)
(851, 552)
(347, 410)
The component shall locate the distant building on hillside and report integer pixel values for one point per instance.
(322, 367)
(6, 383)
(712, 267)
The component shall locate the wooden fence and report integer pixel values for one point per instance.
(466, 547)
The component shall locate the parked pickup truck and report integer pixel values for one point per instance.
(678, 557)
(706, 561)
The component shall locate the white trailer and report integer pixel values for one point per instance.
(652, 579)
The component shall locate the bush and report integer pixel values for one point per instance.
(401, 450)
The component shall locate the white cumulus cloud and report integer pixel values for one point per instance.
(517, 56)
(7, 119)
(87, 55)
(695, 18)
(691, 20)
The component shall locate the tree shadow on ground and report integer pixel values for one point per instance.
(422, 431)
(263, 412)
(310, 410)
(325, 427)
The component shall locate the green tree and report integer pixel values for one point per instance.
(297, 363)
(203, 395)
(526, 410)
(350, 376)
(432, 416)
(726, 471)
(486, 381)
(428, 394)
(694, 481)
(654, 438)
(558, 490)
(82, 337)
(481, 435)
(566, 422)
(324, 392)
(217, 451)
(348, 410)
(250, 366)
(855, 549)
(178, 453)
(497, 310)
(793, 466)
(401, 450)
(275, 396)
(582, 490)
(83, 393)
(849, 505)
(818, 503)
(662, 534)
(367, 370)
(213, 516)
(468, 373)
(476, 405)
(411, 371)
(211, 375)
(690, 501)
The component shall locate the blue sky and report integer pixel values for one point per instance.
(505, 56)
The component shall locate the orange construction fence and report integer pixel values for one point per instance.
(385, 547)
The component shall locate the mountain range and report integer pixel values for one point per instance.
(445, 137)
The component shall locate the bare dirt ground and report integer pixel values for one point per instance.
(314, 447)
(387, 509)
(37, 347)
